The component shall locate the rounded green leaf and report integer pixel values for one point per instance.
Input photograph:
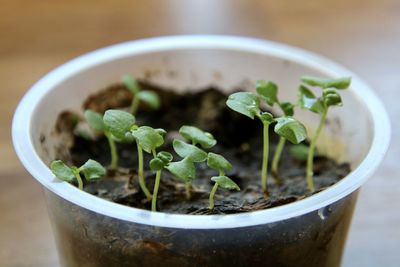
(218, 162)
(92, 170)
(150, 98)
(332, 98)
(307, 100)
(268, 91)
(62, 171)
(197, 136)
(245, 103)
(291, 129)
(183, 170)
(161, 131)
(186, 150)
(95, 120)
(162, 159)
(148, 138)
(266, 117)
(118, 122)
(225, 182)
(130, 84)
(339, 83)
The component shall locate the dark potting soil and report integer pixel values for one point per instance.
(239, 140)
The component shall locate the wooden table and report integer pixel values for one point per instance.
(36, 36)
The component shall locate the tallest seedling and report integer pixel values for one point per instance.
(248, 104)
(307, 100)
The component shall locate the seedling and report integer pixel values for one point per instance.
(320, 105)
(160, 161)
(97, 122)
(147, 139)
(146, 96)
(121, 124)
(92, 170)
(248, 104)
(269, 92)
(220, 164)
(185, 170)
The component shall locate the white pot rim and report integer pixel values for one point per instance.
(23, 143)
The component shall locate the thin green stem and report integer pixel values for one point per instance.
(155, 191)
(80, 182)
(264, 170)
(311, 150)
(113, 150)
(141, 174)
(135, 104)
(277, 156)
(212, 193)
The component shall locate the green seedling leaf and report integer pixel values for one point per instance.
(62, 171)
(92, 170)
(118, 122)
(95, 120)
(160, 161)
(130, 84)
(287, 108)
(161, 132)
(186, 150)
(339, 83)
(299, 151)
(218, 162)
(148, 138)
(291, 129)
(266, 117)
(225, 182)
(245, 103)
(150, 98)
(331, 98)
(307, 100)
(268, 91)
(183, 170)
(197, 136)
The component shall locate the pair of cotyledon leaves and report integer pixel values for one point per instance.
(92, 170)
(330, 97)
(148, 97)
(248, 104)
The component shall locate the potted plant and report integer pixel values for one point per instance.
(91, 231)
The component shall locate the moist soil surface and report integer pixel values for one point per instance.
(239, 140)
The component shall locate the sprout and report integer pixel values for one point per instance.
(269, 92)
(122, 125)
(92, 170)
(148, 97)
(185, 169)
(320, 105)
(102, 124)
(248, 104)
(220, 164)
(147, 139)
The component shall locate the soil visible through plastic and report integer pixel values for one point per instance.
(239, 140)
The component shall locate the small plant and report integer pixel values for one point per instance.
(220, 164)
(185, 169)
(97, 122)
(269, 92)
(146, 96)
(320, 105)
(92, 170)
(248, 104)
(160, 161)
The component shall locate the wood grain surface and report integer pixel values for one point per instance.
(36, 36)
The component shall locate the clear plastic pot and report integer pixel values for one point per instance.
(94, 232)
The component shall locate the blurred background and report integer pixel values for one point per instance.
(36, 36)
